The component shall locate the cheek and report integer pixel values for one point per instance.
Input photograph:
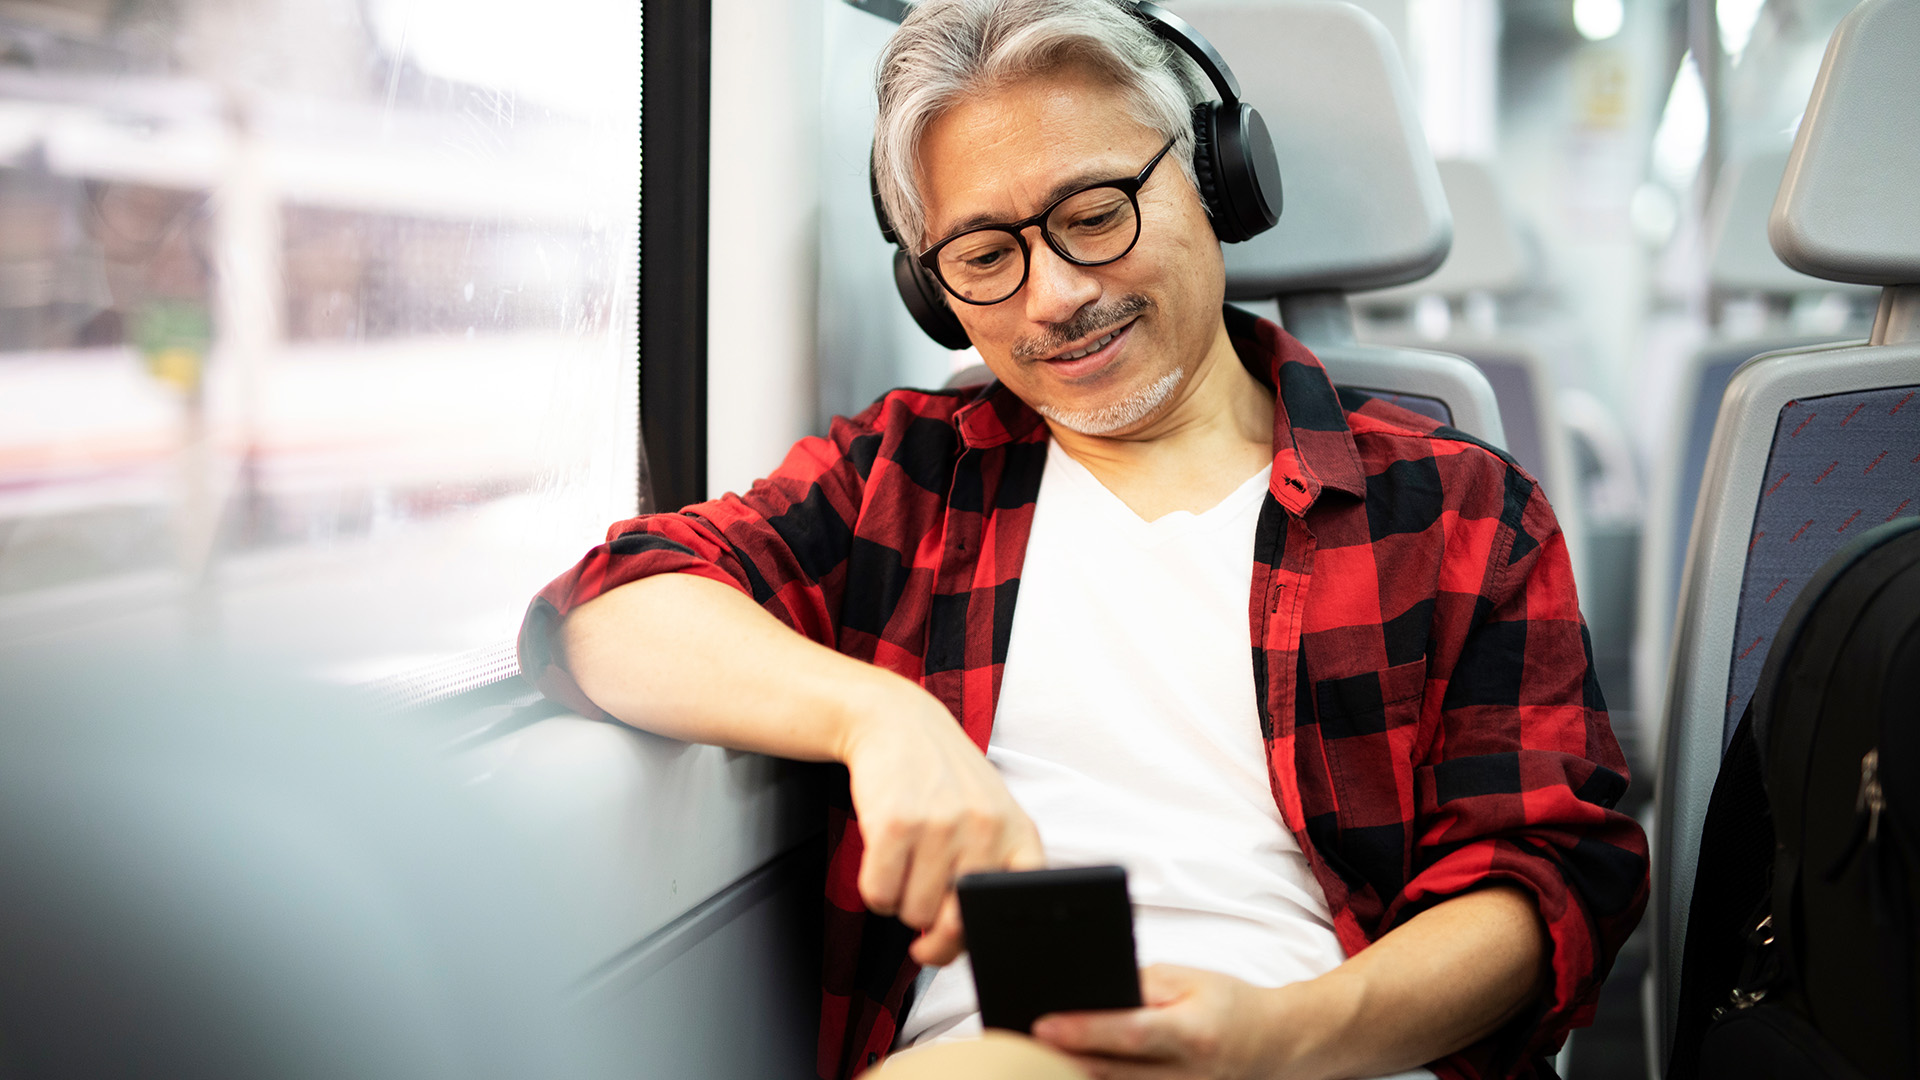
(987, 328)
(1188, 260)
(1202, 272)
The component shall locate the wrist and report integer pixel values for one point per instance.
(875, 696)
(1312, 1027)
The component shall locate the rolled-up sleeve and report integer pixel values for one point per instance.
(1519, 786)
(784, 543)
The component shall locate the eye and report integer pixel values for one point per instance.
(1092, 213)
(1095, 221)
(981, 254)
(986, 260)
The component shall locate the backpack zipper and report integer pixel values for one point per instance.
(1759, 970)
(1872, 798)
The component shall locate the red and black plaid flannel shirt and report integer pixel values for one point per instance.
(1426, 685)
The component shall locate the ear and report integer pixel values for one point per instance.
(927, 301)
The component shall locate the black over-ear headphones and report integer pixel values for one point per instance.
(1233, 158)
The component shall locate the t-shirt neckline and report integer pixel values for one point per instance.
(1168, 525)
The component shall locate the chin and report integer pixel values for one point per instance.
(1118, 416)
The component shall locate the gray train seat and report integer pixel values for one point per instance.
(1809, 446)
(1760, 305)
(1363, 203)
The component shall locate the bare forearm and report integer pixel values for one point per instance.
(1445, 979)
(690, 658)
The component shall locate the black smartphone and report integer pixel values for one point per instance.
(1045, 941)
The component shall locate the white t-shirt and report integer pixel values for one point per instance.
(1128, 730)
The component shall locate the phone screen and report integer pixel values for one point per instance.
(1045, 941)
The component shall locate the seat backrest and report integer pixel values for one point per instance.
(1363, 206)
(1810, 446)
(1740, 259)
(1742, 268)
(1706, 381)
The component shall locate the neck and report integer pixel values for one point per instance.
(1213, 432)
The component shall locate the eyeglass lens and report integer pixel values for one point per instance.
(1094, 226)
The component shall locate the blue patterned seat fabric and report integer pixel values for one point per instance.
(1714, 374)
(1840, 464)
(1714, 370)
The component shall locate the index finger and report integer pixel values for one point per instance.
(882, 877)
(944, 940)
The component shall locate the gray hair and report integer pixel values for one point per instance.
(947, 50)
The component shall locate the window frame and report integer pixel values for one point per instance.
(677, 62)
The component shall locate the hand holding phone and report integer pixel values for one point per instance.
(1045, 941)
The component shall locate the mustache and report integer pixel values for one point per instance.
(1084, 322)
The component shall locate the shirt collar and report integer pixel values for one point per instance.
(997, 417)
(1313, 448)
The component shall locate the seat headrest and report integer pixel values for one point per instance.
(1846, 209)
(1740, 260)
(1489, 253)
(1363, 207)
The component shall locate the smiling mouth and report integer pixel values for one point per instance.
(1091, 347)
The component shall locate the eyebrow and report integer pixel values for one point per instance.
(1059, 191)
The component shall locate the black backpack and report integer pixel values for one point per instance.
(1801, 952)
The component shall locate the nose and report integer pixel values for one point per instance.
(1056, 288)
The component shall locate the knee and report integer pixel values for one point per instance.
(997, 1055)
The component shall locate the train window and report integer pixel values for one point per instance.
(319, 329)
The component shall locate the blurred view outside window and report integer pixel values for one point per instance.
(317, 320)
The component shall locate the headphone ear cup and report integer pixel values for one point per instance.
(927, 302)
(1247, 170)
(1239, 177)
(1205, 171)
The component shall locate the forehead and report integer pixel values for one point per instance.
(1004, 154)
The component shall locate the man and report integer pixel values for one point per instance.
(1387, 841)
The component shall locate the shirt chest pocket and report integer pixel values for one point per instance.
(1370, 702)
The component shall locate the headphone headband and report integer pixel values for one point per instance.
(1181, 34)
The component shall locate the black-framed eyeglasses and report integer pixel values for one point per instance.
(1093, 226)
